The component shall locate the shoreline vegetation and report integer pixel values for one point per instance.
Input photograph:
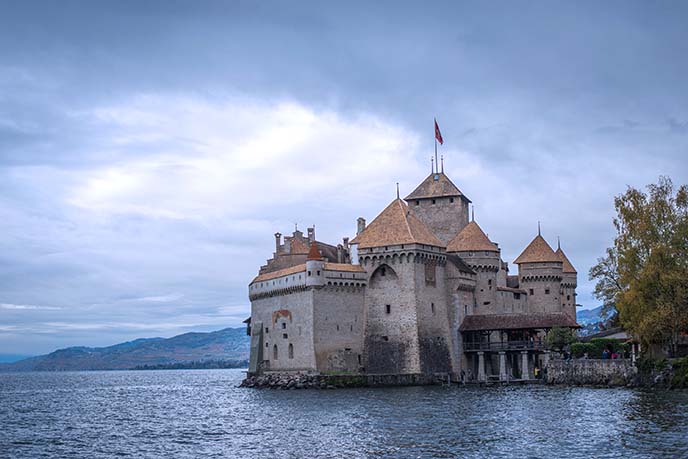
(196, 365)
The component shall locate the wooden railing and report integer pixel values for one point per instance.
(504, 346)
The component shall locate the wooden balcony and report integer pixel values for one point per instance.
(498, 346)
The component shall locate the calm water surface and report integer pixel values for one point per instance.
(203, 414)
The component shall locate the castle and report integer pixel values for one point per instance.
(421, 290)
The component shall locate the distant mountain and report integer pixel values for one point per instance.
(593, 320)
(590, 316)
(9, 358)
(227, 345)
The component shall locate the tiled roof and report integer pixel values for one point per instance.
(471, 238)
(280, 273)
(538, 251)
(568, 267)
(344, 267)
(314, 253)
(298, 247)
(435, 186)
(516, 321)
(460, 264)
(397, 224)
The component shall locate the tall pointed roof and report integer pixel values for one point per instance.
(471, 238)
(397, 224)
(436, 185)
(568, 267)
(313, 252)
(538, 251)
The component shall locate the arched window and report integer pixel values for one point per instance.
(274, 352)
(291, 351)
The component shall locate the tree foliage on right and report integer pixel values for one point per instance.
(644, 274)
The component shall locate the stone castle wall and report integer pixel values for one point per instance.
(339, 325)
(445, 217)
(391, 336)
(607, 372)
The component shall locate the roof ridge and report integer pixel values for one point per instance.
(406, 211)
(538, 251)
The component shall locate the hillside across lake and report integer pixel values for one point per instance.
(219, 349)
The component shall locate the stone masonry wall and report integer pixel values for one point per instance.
(391, 337)
(291, 315)
(339, 324)
(591, 372)
(445, 218)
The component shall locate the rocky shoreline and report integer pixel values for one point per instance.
(285, 381)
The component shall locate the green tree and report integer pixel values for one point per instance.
(644, 275)
(559, 337)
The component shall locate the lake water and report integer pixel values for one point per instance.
(199, 413)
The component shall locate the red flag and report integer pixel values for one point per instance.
(438, 134)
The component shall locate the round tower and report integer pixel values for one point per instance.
(482, 256)
(315, 267)
(540, 273)
(568, 284)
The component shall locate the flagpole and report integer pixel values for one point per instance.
(435, 135)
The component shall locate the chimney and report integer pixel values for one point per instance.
(311, 234)
(340, 254)
(345, 243)
(361, 225)
(278, 241)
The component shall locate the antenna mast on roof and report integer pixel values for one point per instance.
(539, 228)
(442, 159)
(397, 190)
(473, 213)
(558, 243)
(432, 165)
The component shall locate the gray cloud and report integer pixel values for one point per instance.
(148, 151)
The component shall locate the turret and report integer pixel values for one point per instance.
(315, 267)
(540, 272)
(568, 284)
(482, 255)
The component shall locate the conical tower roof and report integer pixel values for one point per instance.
(471, 238)
(436, 185)
(397, 224)
(313, 252)
(538, 251)
(568, 267)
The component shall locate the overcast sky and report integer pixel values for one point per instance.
(149, 151)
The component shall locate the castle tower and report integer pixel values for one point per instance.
(315, 267)
(568, 284)
(406, 304)
(440, 205)
(482, 255)
(540, 273)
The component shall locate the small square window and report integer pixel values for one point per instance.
(317, 273)
(546, 291)
(285, 336)
(284, 325)
(531, 291)
(388, 308)
(309, 273)
(433, 201)
(418, 203)
(385, 338)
